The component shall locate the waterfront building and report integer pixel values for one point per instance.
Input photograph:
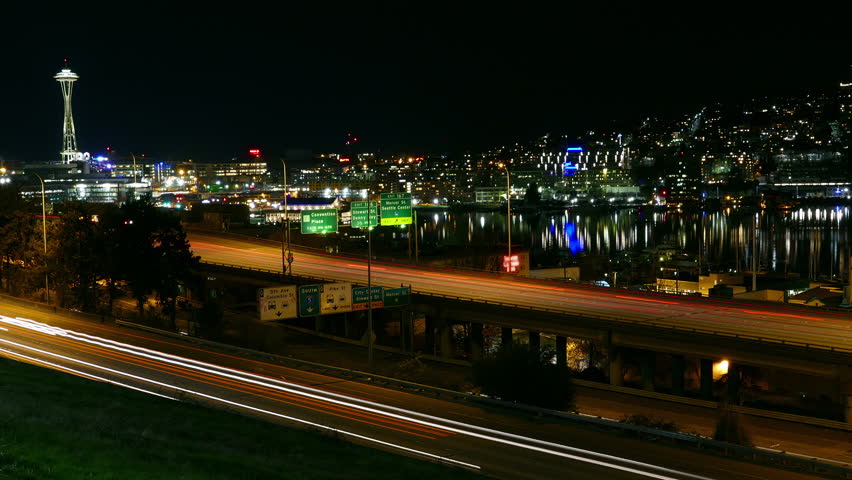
(581, 172)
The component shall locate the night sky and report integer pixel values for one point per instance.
(209, 83)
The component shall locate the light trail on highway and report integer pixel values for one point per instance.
(165, 374)
(465, 435)
(780, 324)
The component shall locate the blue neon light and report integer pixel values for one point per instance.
(568, 169)
(570, 232)
(574, 149)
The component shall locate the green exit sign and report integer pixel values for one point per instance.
(365, 214)
(396, 208)
(323, 220)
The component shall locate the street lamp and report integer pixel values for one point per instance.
(369, 289)
(44, 237)
(288, 258)
(508, 209)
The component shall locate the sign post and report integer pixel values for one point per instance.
(396, 208)
(323, 220)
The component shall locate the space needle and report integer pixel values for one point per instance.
(66, 79)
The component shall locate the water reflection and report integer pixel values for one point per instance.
(810, 241)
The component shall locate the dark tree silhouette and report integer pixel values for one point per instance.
(515, 373)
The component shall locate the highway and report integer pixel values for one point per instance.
(465, 436)
(781, 324)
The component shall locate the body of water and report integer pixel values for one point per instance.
(813, 242)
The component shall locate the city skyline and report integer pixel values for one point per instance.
(195, 85)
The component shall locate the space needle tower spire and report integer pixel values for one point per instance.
(66, 79)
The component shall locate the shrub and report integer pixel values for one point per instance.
(649, 421)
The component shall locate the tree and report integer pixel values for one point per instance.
(156, 257)
(21, 263)
(75, 257)
(109, 242)
(532, 196)
(174, 266)
(515, 373)
(136, 252)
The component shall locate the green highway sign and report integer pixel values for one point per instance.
(323, 220)
(395, 297)
(309, 300)
(359, 298)
(396, 208)
(360, 214)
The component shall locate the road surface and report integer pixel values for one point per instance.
(780, 324)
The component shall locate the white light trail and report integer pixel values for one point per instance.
(236, 404)
(346, 401)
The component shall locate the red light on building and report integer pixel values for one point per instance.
(255, 152)
(511, 264)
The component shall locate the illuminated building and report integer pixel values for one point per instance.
(236, 173)
(580, 170)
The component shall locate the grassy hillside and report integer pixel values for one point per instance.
(58, 426)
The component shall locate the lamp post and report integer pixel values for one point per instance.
(508, 209)
(285, 258)
(754, 253)
(44, 237)
(369, 289)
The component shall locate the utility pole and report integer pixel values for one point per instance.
(416, 251)
(754, 255)
(288, 258)
(369, 290)
(700, 237)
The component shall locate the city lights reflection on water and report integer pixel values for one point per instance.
(810, 241)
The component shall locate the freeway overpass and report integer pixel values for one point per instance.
(819, 342)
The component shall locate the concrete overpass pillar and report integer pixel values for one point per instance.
(476, 341)
(404, 322)
(649, 361)
(429, 336)
(561, 351)
(445, 332)
(616, 366)
(535, 341)
(506, 337)
(347, 325)
(677, 374)
(594, 354)
(733, 387)
(706, 374)
(409, 333)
